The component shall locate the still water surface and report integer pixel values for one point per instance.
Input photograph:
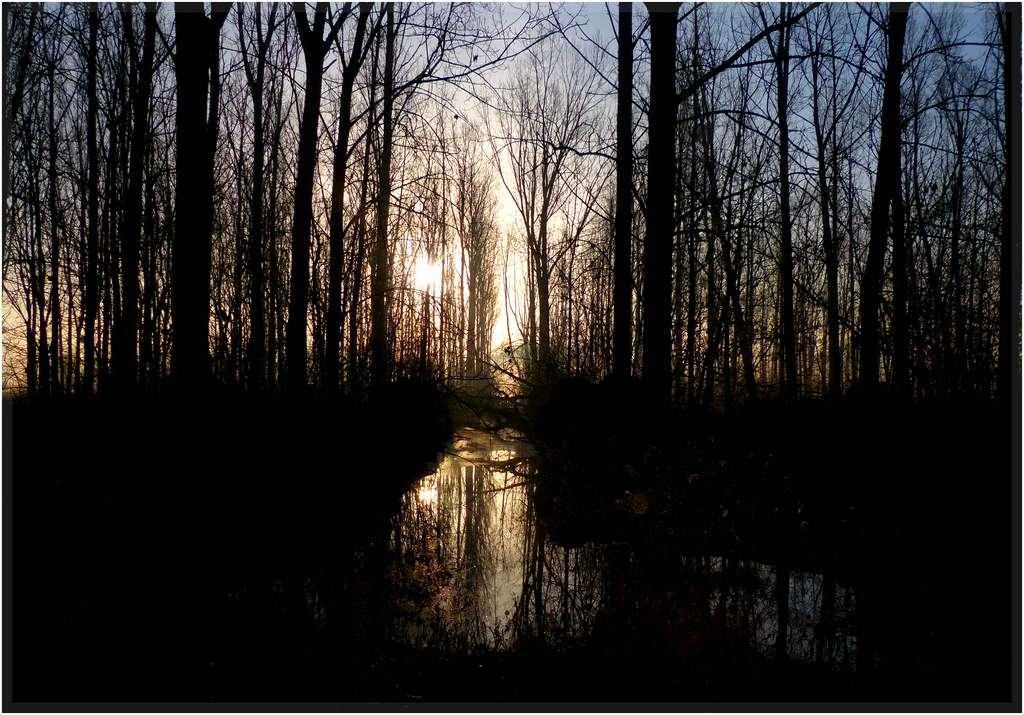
(472, 568)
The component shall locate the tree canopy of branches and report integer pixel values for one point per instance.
(329, 197)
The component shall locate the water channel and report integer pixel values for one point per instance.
(473, 569)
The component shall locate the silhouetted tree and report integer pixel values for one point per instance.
(91, 297)
(127, 336)
(196, 67)
(379, 359)
(622, 344)
(887, 184)
(314, 49)
(1008, 380)
(255, 77)
(657, 259)
(351, 67)
(781, 52)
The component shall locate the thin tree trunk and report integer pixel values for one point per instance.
(39, 283)
(782, 610)
(257, 283)
(332, 369)
(54, 219)
(786, 236)
(93, 237)
(835, 365)
(379, 370)
(901, 337)
(623, 295)
(732, 284)
(126, 345)
(313, 49)
(1008, 365)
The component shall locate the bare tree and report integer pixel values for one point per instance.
(544, 119)
(623, 339)
(351, 67)
(661, 159)
(887, 184)
(127, 336)
(196, 64)
(1008, 380)
(257, 285)
(314, 49)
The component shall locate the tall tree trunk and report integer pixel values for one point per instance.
(543, 302)
(296, 332)
(257, 283)
(126, 343)
(39, 291)
(11, 109)
(692, 239)
(472, 339)
(379, 371)
(900, 333)
(148, 355)
(731, 267)
(54, 272)
(196, 66)
(332, 369)
(93, 237)
(622, 342)
(835, 365)
(887, 182)
(314, 48)
(786, 235)
(657, 335)
(1008, 366)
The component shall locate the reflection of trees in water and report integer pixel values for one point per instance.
(443, 570)
(474, 568)
(561, 590)
(817, 627)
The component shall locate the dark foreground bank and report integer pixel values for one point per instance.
(235, 551)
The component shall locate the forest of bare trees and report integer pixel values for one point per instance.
(730, 201)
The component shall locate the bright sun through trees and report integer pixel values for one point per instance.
(359, 157)
(377, 351)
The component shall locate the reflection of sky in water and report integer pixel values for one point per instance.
(462, 541)
(469, 561)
